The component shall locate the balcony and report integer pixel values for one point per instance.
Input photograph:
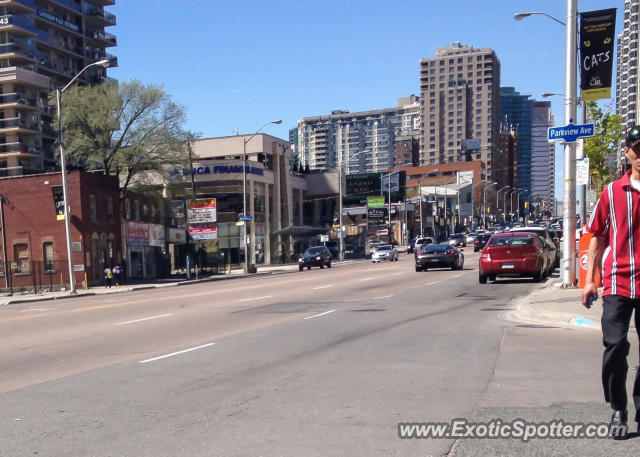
(104, 38)
(18, 25)
(101, 2)
(100, 17)
(20, 6)
(18, 125)
(18, 148)
(17, 50)
(17, 100)
(69, 4)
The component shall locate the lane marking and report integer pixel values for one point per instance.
(397, 274)
(456, 276)
(256, 298)
(322, 287)
(35, 310)
(365, 279)
(144, 319)
(384, 296)
(177, 353)
(321, 314)
(432, 283)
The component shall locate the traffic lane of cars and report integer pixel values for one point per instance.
(384, 252)
(438, 255)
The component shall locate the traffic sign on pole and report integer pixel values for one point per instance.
(570, 133)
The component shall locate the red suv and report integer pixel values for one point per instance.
(513, 254)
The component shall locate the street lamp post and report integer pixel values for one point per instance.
(340, 234)
(105, 63)
(518, 208)
(388, 175)
(567, 268)
(420, 196)
(247, 245)
(498, 201)
(504, 204)
(484, 203)
(473, 202)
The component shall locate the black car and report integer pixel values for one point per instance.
(439, 255)
(481, 241)
(317, 256)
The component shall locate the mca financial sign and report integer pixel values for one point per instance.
(214, 169)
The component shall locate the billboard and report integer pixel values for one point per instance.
(376, 201)
(471, 144)
(361, 185)
(201, 211)
(156, 235)
(138, 233)
(597, 39)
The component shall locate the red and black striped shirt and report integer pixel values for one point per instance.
(616, 217)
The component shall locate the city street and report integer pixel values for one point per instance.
(313, 363)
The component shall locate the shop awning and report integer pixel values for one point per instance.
(301, 230)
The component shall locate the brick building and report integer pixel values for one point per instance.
(34, 248)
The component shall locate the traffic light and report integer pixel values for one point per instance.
(526, 204)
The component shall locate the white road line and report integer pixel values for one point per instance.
(256, 298)
(365, 279)
(322, 287)
(321, 314)
(35, 310)
(384, 296)
(144, 319)
(432, 283)
(177, 353)
(398, 274)
(456, 276)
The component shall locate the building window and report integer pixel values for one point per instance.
(47, 256)
(92, 208)
(127, 209)
(110, 208)
(21, 257)
(136, 209)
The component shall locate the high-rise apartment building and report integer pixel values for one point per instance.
(542, 158)
(627, 86)
(43, 44)
(460, 99)
(364, 141)
(515, 115)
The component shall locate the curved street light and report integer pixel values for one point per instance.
(244, 193)
(521, 15)
(498, 201)
(340, 234)
(420, 197)
(484, 203)
(105, 63)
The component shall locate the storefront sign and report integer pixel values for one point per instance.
(201, 211)
(138, 233)
(204, 232)
(177, 235)
(216, 169)
(156, 235)
(58, 202)
(375, 201)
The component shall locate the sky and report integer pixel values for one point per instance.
(238, 65)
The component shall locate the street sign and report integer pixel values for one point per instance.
(324, 238)
(582, 172)
(570, 133)
(245, 218)
(78, 268)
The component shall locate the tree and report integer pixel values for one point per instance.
(128, 129)
(603, 145)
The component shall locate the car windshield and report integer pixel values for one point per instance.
(384, 248)
(314, 251)
(438, 247)
(511, 241)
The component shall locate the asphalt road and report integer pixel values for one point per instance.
(314, 363)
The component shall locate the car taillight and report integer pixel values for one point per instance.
(485, 255)
(451, 252)
(477, 242)
(420, 252)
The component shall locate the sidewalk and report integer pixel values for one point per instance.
(173, 281)
(553, 305)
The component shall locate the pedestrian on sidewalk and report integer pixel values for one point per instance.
(108, 275)
(615, 225)
(117, 274)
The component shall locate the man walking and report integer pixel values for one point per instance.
(615, 224)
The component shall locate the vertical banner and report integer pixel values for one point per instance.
(597, 39)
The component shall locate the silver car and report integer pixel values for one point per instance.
(384, 252)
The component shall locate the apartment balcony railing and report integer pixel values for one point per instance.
(18, 123)
(70, 4)
(17, 47)
(102, 36)
(28, 3)
(19, 21)
(17, 98)
(92, 11)
(18, 147)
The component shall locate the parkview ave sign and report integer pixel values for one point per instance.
(570, 133)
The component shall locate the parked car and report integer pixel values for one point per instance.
(418, 241)
(513, 254)
(385, 252)
(541, 230)
(550, 253)
(458, 239)
(439, 255)
(317, 256)
(481, 241)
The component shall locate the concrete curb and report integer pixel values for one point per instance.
(290, 268)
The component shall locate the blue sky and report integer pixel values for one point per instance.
(238, 65)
